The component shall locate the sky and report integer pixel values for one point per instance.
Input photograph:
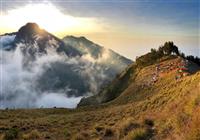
(129, 27)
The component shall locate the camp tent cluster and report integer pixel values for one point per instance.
(180, 67)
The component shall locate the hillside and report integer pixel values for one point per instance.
(148, 80)
(139, 76)
(166, 107)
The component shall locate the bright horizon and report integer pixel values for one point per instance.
(129, 28)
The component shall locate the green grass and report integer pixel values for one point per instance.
(11, 134)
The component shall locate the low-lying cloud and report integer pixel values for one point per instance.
(57, 100)
(19, 80)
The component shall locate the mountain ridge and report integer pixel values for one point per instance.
(130, 74)
(57, 65)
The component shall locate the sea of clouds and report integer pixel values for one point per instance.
(18, 83)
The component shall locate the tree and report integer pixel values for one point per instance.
(170, 48)
(153, 51)
(182, 55)
(193, 59)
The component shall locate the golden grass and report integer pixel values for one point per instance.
(137, 134)
(172, 106)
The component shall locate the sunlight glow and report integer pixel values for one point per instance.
(49, 18)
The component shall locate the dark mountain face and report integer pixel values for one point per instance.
(46, 64)
(28, 32)
(84, 46)
(31, 34)
(96, 51)
(112, 62)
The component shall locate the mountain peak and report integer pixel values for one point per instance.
(31, 24)
(30, 28)
(28, 31)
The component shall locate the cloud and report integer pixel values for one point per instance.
(20, 81)
(5, 41)
(48, 17)
(18, 85)
(49, 100)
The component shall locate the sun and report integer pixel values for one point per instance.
(49, 18)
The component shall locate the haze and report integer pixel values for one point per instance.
(130, 27)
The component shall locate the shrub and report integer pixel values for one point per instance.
(137, 134)
(67, 132)
(33, 135)
(108, 132)
(99, 128)
(11, 134)
(127, 126)
(149, 122)
(81, 136)
(78, 137)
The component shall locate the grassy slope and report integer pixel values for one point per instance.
(169, 109)
(113, 90)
